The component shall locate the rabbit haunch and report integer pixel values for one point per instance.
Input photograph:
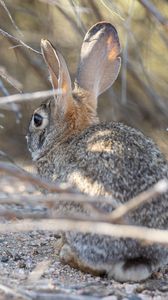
(68, 144)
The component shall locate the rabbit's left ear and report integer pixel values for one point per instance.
(58, 70)
(99, 60)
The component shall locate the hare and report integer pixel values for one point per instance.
(69, 144)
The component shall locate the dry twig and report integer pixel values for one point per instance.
(35, 180)
(119, 213)
(29, 96)
(38, 271)
(158, 102)
(51, 200)
(32, 62)
(11, 214)
(17, 41)
(10, 17)
(154, 11)
(148, 235)
(116, 217)
(12, 81)
(14, 292)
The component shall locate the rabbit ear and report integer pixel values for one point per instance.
(58, 70)
(99, 60)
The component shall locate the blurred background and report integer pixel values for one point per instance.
(138, 98)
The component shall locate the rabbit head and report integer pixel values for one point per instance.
(72, 110)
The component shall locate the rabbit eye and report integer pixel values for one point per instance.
(38, 119)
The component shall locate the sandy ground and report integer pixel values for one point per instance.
(30, 267)
(24, 256)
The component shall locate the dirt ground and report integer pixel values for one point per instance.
(30, 266)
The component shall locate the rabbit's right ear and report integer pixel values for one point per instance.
(58, 70)
(99, 60)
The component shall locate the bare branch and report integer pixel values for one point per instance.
(10, 214)
(77, 16)
(70, 20)
(38, 271)
(156, 99)
(159, 188)
(13, 292)
(3, 89)
(29, 96)
(117, 214)
(110, 7)
(12, 81)
(51, 200)
(10, 17)
(154, 11)
(35, 180)
(17, 85)
(148, 235)
(31, 62)
(17, 41)
(127, 24)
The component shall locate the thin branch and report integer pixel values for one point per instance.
(38, 271)
(61, 9)
(156, 100)
(17, 85)
(35, 180)
(11, 291)
(151, 8)
(51, 200)
(127, 25)
(148, 235)
(77, 16)
(29, 96)
(10, 17)
(3, 88)
(95, 10)
(10, 214)
(116, 216)
(12, 81)
(108, 4)
(31, 62)
(70, 20)
(119, 213)
(17, 41)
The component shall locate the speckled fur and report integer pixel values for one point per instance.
(103, 159)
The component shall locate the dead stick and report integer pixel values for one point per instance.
(12, 214)
(155, 12)
(13, 292)
(29, 96)
(144, 234)
(35, 180)
(51, 200)
(14, 39)
(10, 17)
(119, 213)
(116, 216)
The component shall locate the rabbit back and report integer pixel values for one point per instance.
(111, 160)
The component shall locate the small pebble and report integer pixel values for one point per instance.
(35, 252)
(4, 258)
(22, 264)
(17, 257)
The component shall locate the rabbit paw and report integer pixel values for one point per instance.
(68, 256)
(131, 270)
